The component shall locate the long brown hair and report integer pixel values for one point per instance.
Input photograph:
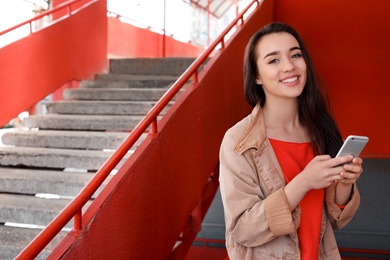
(313, 109)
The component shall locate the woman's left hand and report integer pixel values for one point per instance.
(352, 171)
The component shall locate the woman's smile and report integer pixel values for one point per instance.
(290, 81)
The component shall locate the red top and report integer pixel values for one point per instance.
(293, 158)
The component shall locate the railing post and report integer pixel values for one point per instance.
(195, 80)
(164, 30)
(208, 23)
(77, 221)
(154, 127)
(240, 22)
(222, 44)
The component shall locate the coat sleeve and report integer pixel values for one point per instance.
(252, 218)
(337, 216)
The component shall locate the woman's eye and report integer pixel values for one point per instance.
(297, 55)
(273, 61)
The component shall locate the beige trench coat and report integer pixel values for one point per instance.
(259, 223)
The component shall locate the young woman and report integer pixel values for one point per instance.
(282, 190)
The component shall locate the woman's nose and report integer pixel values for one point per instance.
(288, 65)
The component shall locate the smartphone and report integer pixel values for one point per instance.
(353, 145)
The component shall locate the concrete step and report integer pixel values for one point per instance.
(32, 181)
(111, 80)
(100, 107)
(27, 209)
(54, 158)
(67, 139)
(134, 94)
(82, 122)
(14, 239)
(153, 66)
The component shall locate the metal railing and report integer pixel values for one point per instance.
(74, 208)
(66, 5)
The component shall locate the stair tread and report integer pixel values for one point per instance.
(67, 139)
(120, 76)
(45, 175)
(154, 66)
(111, 81)
(86, 134)
(55, 158)
(100, 107)
(31, 203)
(14, 239)
(116, 89)
(115, 102)
(54, 151)
(27, 209)
(34, 181)
(92, 117)
(83, 122)
(114, 93)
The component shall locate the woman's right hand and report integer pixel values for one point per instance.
(322, 171)
(319, 173)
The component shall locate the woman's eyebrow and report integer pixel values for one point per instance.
(295, 48)
(271, 53)
(277, 52)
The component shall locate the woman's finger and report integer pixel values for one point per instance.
(354, 168)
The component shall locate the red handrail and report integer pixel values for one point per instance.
(66, 5)
(73, 209)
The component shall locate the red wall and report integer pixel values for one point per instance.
(38, 64)
(349, 42)
(125, 40)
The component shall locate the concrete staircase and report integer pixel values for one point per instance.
(57, 153)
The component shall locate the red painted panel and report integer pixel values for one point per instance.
(38, 64)
(125, 40)
(143, 209)
(349, 42)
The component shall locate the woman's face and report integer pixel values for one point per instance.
(280, 66)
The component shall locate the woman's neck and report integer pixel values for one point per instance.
(282, 121)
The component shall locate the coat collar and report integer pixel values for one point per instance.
(254, 135)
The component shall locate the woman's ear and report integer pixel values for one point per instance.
(258, 81)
